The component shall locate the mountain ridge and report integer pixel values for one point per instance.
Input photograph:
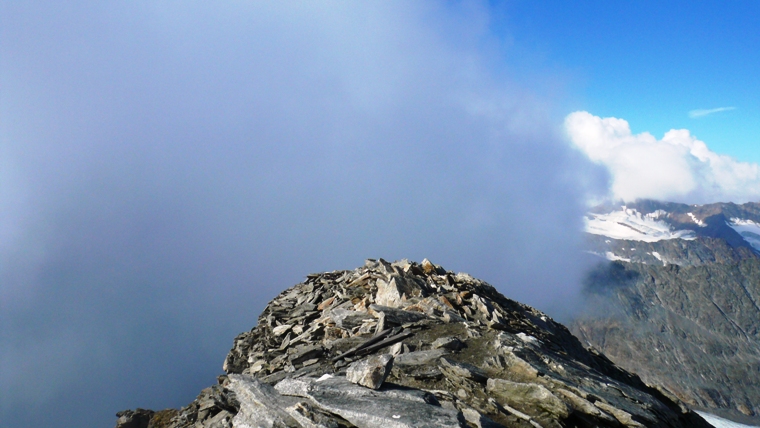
(408, 344)
(654, 221)
(683, 310)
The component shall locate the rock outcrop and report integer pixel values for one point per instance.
(411, 345)
(680, 304)
(695, 330)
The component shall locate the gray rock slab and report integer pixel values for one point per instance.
(418, 358)
(311, 417)
(220, 420)
(475, 418)
(462, 370)
(624, 417)
(370, 372)
(448, 342)
(393, 292)
(530, 398)
(419, 364)
(260, 405)
(451, 316)
(305, 352)
(584, 406)
(348, 319)
(388, 407)
(395, 316)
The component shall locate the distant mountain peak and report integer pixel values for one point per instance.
(639, 232)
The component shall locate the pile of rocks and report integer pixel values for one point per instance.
(411, 345)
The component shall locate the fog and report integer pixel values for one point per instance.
(166, 168)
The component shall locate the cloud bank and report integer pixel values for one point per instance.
(169, 167)
(704, 112)
(678, 167)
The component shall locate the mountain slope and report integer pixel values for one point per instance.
(683, 310)
(411, 345)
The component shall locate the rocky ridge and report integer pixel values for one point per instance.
(411, 345)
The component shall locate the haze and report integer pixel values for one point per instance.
(169, 167)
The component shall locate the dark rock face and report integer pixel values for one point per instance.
(695, 330)
(442, 349)
(138, 418)
(682, 313)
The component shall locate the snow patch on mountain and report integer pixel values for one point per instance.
(748, 229)
(609, 255)
(699, 222)
(659, 257)
(630, 224)
(719, 422)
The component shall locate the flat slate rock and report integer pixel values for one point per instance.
(261, 406)
(389, 407)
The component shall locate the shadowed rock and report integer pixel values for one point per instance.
(138, 418)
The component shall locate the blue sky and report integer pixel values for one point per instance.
(648, 62)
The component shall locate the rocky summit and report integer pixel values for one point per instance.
(409, 344)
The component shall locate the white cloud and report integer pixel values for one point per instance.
(677, 168)
(704, 112)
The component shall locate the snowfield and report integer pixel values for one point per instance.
(748, 229)
(630, 224)
(719, 422)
